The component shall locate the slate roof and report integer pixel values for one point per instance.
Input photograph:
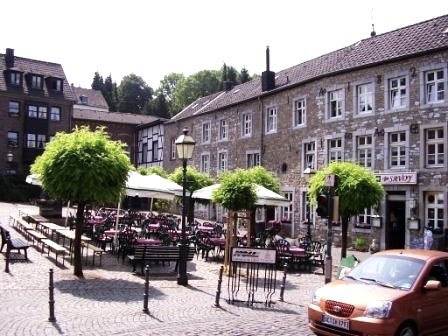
(411, 41)
(45, 69)
(95, 97)
(114, 117)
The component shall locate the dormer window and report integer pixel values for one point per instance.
(36, 82)
(14, 78)
(84, 100)
(54, 84)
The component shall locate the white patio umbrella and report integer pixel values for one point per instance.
(265, 196)
(33, 179)
(152, 186)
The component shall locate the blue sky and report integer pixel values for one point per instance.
(155, 38)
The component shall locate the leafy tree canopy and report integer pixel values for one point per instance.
(153, 170)
(237, 191)
(83, 166)
(133, 94)
(356, 187)
(195, 179)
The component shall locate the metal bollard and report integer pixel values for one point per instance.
(282, 287)
(51, 299)
(218, 290)
(145, 295)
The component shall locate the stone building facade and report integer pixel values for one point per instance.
(381, 102)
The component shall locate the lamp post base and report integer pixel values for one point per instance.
(182, 278)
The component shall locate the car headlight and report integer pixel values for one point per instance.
(316, 299)
(378, 309)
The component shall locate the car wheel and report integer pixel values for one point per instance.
(406, 330)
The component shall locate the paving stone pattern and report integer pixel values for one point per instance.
(109, 300)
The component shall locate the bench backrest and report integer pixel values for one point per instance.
(167, 253)
(5, 234)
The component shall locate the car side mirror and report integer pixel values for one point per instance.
(432, 285)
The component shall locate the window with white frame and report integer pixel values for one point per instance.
(13, 139)
(252, 159)
(205, 163)
(397, 150)
(13, 108)
(363, 219)
(246, 124)
(435, 147)
(205, 132)
(398, 93)
(299, 113)
(435, 86)
(309, 152)
(364, 150)
(271, 120)
(286, 211)
(335, 150)
(307, 209)
(223, 129)
(222, 161)
(55, 113)
(335, 104)
(365, 98)
(434, 211)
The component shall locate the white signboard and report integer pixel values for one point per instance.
(397, 178)
(329, 180)
(253, 255)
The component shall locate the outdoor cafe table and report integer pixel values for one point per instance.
(204, 228)
(48, 228)
(145, 241)
(299, 257)
(70, 235)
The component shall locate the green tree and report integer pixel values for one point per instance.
(133, 94)
(158, 107)
(86, 168)
(98, 82)
(200, 84)
(244, 76)
(237, 191)
(109, 91)
(265, 178)
(195, 180)
(167, 87)
(356, 187)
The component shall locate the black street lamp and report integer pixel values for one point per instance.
(308, 172)
(185, 146)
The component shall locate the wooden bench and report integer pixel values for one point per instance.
(36, 236)
(55, 247)
(146, 253)
(12, 244)
(96, 251)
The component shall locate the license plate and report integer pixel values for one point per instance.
(336, 322)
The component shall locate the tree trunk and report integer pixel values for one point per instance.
(77, 260)
(344, 237)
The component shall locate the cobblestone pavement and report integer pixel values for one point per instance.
(110, 299)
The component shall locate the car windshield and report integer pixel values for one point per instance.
(393, 271)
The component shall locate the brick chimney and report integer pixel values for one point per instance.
(267, 77)
(9, 58)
